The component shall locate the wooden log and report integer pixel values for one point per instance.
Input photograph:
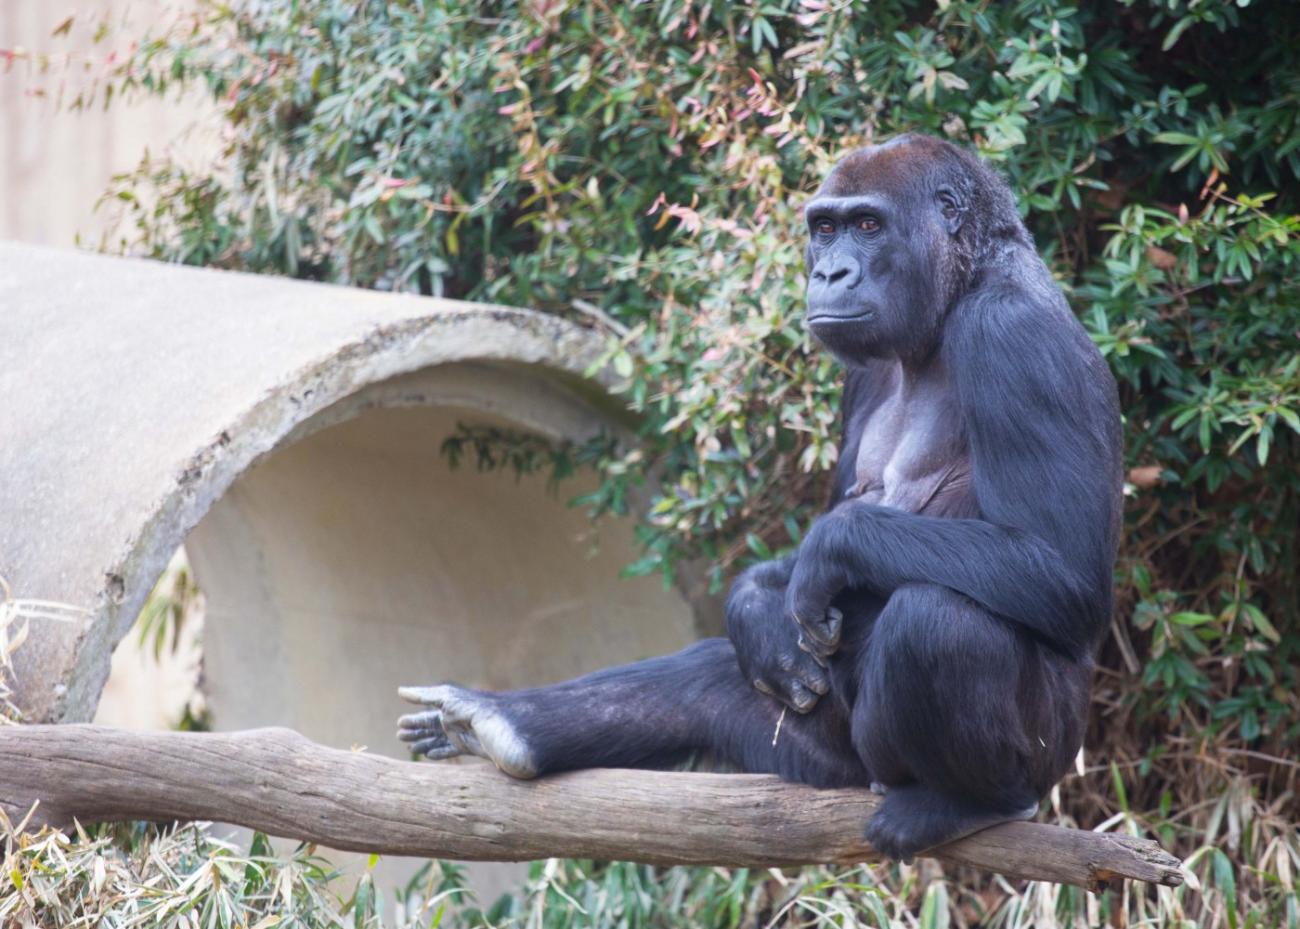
(279, 782)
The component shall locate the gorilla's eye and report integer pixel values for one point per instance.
(824, 227)
(869, 224)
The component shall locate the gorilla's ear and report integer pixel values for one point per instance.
(951, 207)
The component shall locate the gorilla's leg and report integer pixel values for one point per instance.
(650, 714)
(956, 720)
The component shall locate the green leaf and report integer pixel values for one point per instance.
(1226, 883)
(1172, 37)
(1118, 783)
(1261, 624)
(934, 907)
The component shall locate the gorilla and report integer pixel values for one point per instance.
(934, 632)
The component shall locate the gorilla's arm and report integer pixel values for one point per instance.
(1008, 572)
(1044, 464)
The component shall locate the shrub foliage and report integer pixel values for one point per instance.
(640, 167)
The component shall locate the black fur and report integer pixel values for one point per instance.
(934, 632)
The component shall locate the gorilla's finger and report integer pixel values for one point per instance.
(814, 678)
(814, 646)
(813, 650)
(806, 669)
(801, 698)
(824, 630)
(834, 622)
(417, 721)
(789, 691)
(806, 605)
(426, 695)
(827, 626)
(436, 749)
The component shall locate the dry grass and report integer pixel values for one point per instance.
(13, 632)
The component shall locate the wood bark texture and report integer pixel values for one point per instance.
(281, 783)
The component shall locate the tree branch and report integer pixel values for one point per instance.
(278, 782)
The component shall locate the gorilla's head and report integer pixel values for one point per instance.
(896, 235)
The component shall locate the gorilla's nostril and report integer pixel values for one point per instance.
(839, 271)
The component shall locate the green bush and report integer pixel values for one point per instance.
(640, 167)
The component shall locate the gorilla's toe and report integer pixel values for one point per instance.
(426, 736)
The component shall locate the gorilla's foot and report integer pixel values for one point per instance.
(914, 818)
(464, 722)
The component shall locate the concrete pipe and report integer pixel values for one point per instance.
(288, 434)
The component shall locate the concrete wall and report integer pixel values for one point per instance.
(56, 163)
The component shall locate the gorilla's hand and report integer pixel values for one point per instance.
(819, 636)
(769, 647)
(815, 581)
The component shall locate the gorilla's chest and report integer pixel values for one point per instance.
(912, 454)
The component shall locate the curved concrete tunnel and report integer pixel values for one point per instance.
(289, 435)
(357, 558)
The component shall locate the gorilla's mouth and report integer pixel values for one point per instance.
(823, 317)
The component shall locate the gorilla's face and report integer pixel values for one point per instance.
(879, 265)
